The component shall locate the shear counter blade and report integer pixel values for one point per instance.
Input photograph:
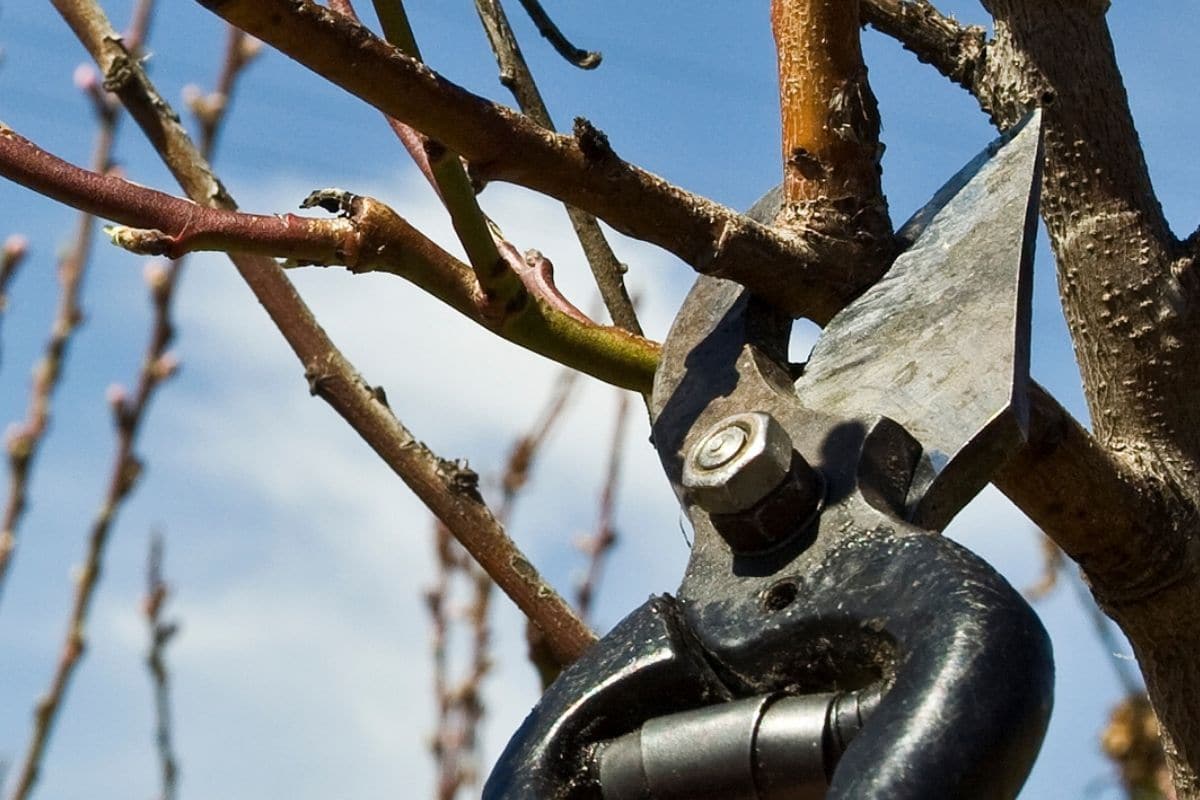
(941, 343)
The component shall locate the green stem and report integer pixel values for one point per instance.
(471, 225)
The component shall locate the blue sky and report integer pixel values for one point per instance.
(297, 559)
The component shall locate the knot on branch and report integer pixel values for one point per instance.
(460, 478)
(593, 143)
(336, 201)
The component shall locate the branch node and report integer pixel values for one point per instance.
(459, 477)
(142, 241)
(593, 142)
(334, 200)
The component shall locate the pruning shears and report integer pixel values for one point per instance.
(825, 640)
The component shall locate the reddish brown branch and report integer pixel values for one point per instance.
(369, 236)
(505, 146)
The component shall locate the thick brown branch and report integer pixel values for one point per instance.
(1135, 541)
(1125, 279)
(1132, 320)
(581, 170)
(1091, 504)
(955, 50)
(830, 126)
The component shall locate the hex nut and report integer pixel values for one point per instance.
(724, 479)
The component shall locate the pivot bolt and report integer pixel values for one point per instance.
(737, 463)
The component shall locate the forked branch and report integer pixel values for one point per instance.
(582, 170)
(446, 488)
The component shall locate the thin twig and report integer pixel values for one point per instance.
(524, 451)
(515, 74)
(12, 255)
(448, 489)
(597, 546)
(368, 236)
(161, 634)
(129, 413)
(455, 742)
(24, 438)
(209, 109)
(460, 706)
(584, 59)
(500, 283)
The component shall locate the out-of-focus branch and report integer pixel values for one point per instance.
(209, 109)
(455, 742)
(584, 59)
(515, 74)
(525, 450)
(12, 255)
(24, 438)
(162, 632)
(957, 51)
(582, 170)
(129, 413)
(460, 706)
(448, 489)
(597, 546)
(368, 236)
(1132, 742)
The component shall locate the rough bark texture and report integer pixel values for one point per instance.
(830, 133)
(1122, 501)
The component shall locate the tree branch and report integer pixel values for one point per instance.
(1131, 299)
(584, 59)
(1092, 504)
(25, 438)
(161, 633)
(368, 237)
(955, 50)
(830, 126)
(581, 170)
(514, 74)
(446, 488)
(12, 255)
